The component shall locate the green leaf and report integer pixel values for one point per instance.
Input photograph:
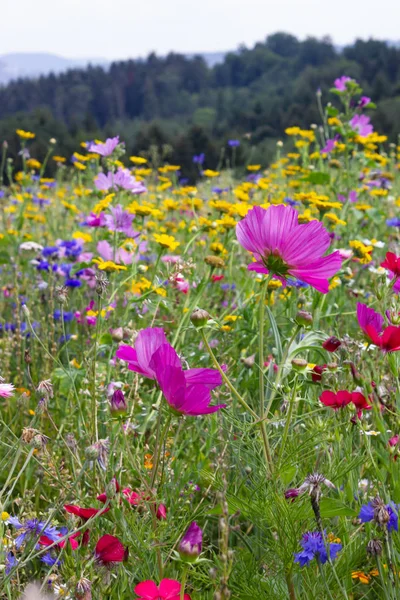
(332, 111)
(4, 257)
(318, 178)
(275, 331)
(330, 507)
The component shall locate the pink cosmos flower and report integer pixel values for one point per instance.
(169, 589)
(340, 83)
(361, 124)
(94, 220)
(6, 389)
(106, 148)
(187, 392)
(283, 247)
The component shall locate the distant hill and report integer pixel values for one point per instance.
(31, 65)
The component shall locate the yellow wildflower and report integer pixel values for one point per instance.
(210, 173)
(166, 241)
(25, 135)
(108, 265)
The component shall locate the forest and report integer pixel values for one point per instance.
(176, 107)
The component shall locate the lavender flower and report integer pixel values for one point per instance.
(120, 221)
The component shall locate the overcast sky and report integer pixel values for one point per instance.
(130, 28)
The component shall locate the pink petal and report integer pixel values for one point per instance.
(209, 377)
(169, 588)
(147, 590)
(307, 243)
(147, 342)
(105, 250)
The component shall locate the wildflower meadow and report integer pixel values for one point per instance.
(200, 379)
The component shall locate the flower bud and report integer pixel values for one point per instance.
(117, 334)
(83, 590)
(331, 344)
(249, 361)
(304, 318)
(214, 261)
(332, 366)
(191, 543)
(299, 364)
(118, 404)
(199, 317)
(292, 493)
(161, 513)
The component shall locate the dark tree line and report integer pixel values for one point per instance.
(181, 102)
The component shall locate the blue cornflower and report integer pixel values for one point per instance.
(291, 202)
(395, 222)
(32, 528)
(11, 562)
(49, 559)
(314, 546)
(73, 283)
(49, 251)
(233, 143)
(198, 159)
(381, 513)
(68, 316)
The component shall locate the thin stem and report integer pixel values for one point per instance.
(183, 583)
(288, 418)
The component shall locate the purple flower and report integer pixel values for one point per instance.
(11, 562)
(285, 248)
(329, 146)
(364, 101)
(32, 528)
(361, 124)
(118, 404)
(380, 513)
(314, 546)
(187, 392)
(395, 222)
(198, 159)
(233, 143)
(352, 197)
(94, 220)
(191, 543)
(367, 317)
(340, 83)
(121, 179)
(120, 221)
(106, 148)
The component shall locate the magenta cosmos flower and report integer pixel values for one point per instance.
(106, 148)
(371, 322)
(187, 392)
(284, 248)
(169, 589)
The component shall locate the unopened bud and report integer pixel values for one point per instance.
(191, 543)
(304, 318)
(249, 361)
(117, 334)
(331, 344)
(199, 317)
(118, 404)
(299, 364)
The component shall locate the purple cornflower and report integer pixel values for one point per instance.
(120, 221)
(314, 546)
(11, 562)
(382, 514)
(361, 124)
(198, 159)
(121, 179)
(395, 222)
(106, 148)
(233, 143)
(32, 528)
(341, 83)
(329, 146)
(191, 543)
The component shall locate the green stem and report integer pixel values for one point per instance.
(160, 438)
(183, 582)
(288, 418)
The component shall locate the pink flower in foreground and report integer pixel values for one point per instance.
(187, 392)
(285, 248)
(169, 589)
(6, 390)
(105, 148)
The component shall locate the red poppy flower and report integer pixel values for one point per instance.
(331, 344)
(335, 401)
(392, 263)
(215, 278)
(110, 549)
(84, 513)
(360, 402)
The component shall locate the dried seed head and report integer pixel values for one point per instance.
(214, 261)
(62, 294)
(374, 547)
(45, 388)
(83, 590)
(381, 513)
(101, 284)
